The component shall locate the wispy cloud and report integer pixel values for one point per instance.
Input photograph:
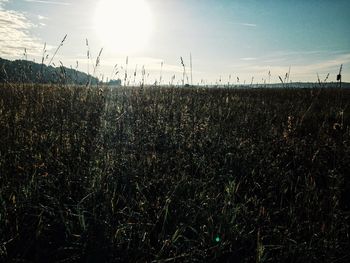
(2, 2)
(245, 24)
(248, 59)
(41, 17)
(329, 65)
(288, 56)
(305, 70)
(15, 35)
(48, 2)
(248, 24)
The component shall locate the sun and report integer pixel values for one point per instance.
(123, 26)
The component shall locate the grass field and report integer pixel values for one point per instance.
(174, 174)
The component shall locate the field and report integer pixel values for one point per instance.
(174, 174)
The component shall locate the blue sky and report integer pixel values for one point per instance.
(241, 38)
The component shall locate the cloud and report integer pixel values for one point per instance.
(2, 3)
(248, 59)
(15, 35)
(40, 17)
(245, 24)
(280, 56)
(48, 2)
(326, 65)
(300, 71)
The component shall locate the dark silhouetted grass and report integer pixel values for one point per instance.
(174, 174)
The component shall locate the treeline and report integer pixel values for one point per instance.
(23, 71)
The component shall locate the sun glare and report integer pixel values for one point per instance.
(124, 26)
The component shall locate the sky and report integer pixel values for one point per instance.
(227, 39)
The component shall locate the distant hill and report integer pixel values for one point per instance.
(301, 85)
(24, 71)
(306, 85)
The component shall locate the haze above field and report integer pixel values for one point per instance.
(243, 39)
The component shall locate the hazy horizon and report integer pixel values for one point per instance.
(243, 39)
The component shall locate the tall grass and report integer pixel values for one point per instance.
(168, 174)
(57, 49)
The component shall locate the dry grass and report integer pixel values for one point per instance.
(174, 174)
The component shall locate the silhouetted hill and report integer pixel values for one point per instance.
(306, 85)
(24, 71)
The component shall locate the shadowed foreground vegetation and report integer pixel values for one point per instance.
(174, 175)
